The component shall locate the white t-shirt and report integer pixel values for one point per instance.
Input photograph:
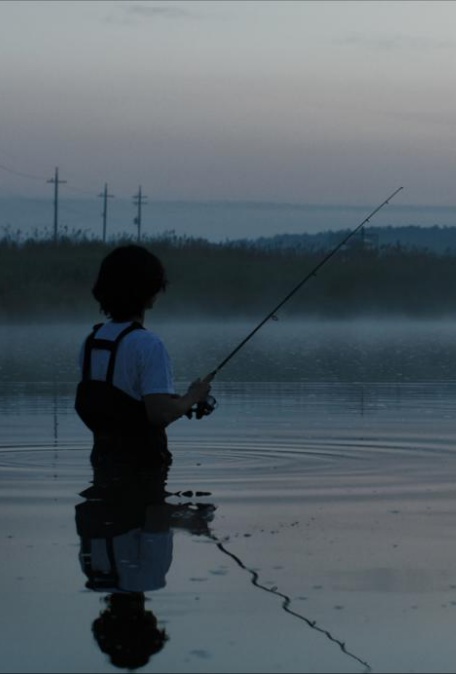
(142, 363)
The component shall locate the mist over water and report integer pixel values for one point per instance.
(365, 350)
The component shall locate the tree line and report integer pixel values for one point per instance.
(40, 279)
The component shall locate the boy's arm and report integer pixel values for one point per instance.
(163, 408)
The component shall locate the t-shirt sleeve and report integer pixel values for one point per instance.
(155, 372)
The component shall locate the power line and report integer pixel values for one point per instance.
(80, 190)
(20, 173)
(138, 199)
(30, 176)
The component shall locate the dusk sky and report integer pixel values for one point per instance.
(326, 102)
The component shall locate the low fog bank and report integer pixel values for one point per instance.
(304, 350)
(188, 317)
(171, 312)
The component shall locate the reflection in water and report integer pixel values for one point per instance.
(286, 601)
(125, 525)
(126, 528)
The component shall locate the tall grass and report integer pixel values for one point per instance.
(40, 279)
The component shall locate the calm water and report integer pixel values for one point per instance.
(311, 521)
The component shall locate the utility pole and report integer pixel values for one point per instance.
(56, 182)
(138, 201)
(105, 196)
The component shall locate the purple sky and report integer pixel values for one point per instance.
(310, 102)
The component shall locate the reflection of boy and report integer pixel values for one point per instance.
(134, 561)
(126, 533)
(133, 554)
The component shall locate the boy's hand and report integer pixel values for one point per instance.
(200, 388)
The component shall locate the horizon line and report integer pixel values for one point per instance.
(244, 202)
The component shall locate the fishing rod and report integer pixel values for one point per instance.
(207, 406)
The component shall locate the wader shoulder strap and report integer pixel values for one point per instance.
(107, 345)
(88, 352)
(99, 580)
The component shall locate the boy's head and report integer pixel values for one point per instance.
(128, 280)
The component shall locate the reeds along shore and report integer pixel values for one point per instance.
(46, 279)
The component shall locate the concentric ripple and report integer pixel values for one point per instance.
(334, 437)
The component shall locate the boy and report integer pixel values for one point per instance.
(126, 396)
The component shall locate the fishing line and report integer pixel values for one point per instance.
(207, 406)
(313, 272)
(286, 603)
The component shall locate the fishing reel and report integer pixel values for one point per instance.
(203, 408)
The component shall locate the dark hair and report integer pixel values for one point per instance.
(129, 277)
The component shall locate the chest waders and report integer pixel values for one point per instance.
(118, 422)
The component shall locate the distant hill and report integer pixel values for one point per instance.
(220, 221)
(436, 239)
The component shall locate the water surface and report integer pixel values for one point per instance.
(314, 514)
